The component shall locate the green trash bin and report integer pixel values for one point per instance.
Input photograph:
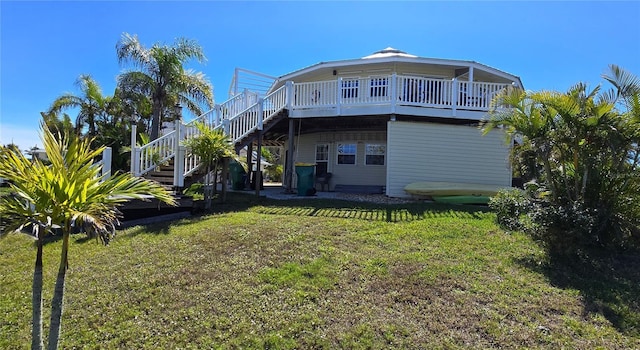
(237, 174)
(305, 179)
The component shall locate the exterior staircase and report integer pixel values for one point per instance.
(242, 118)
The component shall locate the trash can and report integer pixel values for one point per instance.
(305, 180)
(238, 176)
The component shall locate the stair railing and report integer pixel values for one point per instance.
(237, 117)
(254, 117)
(147, 157)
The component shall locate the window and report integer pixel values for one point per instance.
(350, 88)
(374, 154)
(322, 158)
(346, 153)
(379, 87)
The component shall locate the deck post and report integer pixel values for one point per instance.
(179, 164)
(249, 165)
(288, 94)
(471, 100)
(394, 92)
(178, 171)
(454, 96)
(288, 169)
(217, 109)
(260, 114)
(226, 128)
(258, 178)
(106, 162)
(339, 96)
(134, 132)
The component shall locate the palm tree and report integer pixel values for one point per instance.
(212, 146)
(526, 120)
(67, 195)
(586, 141)
(56, 123)
(163, 78)
(92, 103)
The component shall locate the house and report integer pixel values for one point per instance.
(379, 122)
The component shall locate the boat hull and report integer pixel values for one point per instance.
(461, 199)
(452, 189)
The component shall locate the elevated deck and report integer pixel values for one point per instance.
(393, 94)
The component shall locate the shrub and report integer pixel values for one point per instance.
(274, 172)
(564, 229)
(511, 207)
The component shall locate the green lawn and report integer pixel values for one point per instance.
(324, 274)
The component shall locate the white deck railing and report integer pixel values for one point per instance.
(398, 90)
(238, 117)
(247, 112)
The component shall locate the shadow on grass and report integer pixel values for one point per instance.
(609, 284)
(162, 227)
(337, 208)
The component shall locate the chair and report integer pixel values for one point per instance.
(324, 179)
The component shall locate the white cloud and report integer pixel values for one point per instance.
(21, 135)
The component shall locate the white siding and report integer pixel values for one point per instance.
(358, 174)
(450, 153)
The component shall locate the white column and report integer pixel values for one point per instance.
(394, 92)
(178, 171)
(470, 92)
(134, 167)
(339, 96)
(289, 94)
(454, 95)
(178, 164)
(260, 113)
(106, 162)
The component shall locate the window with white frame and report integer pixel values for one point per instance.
(374, 154)
(346, 153)
(322, 158)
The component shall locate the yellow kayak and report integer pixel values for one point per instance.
(428, 188)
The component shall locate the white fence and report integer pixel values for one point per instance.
(398, 89)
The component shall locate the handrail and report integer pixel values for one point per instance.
(394, 89)
(236, 122)
(156, 152)
(253, 117)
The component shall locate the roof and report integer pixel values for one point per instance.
(391, 54)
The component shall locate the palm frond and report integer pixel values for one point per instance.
(70, 189)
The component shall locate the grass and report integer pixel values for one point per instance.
(325, 274)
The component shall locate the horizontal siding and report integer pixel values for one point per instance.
(451, 153)
(358, 174)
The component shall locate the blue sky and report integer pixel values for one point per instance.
(45, 46)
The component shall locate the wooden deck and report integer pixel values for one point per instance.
(137, 209)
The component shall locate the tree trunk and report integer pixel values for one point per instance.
(58, 294)
(36, 299)
(155, 120)
(208, 190)
(225, 175)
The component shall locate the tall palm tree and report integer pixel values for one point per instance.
(67, 195)
(93, 105)
(163, 78)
